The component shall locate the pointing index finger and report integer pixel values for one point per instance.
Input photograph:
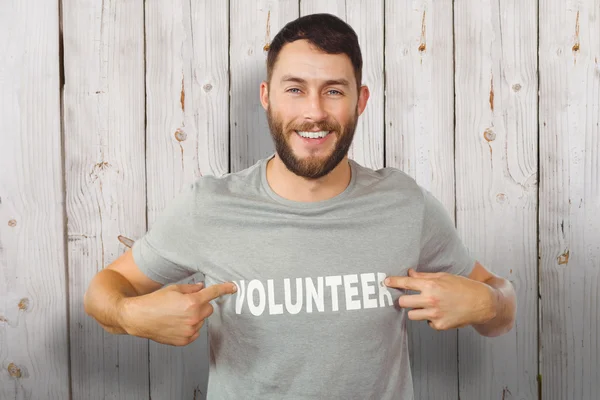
(217, 290)
(404, 282)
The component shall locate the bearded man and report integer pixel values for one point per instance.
(308, 256)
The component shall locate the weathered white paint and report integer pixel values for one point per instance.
(33, 293)
(496, 183)
(105, 181)
(569, 226)
(419, 111)
(111, 162)
(187, 99)
(366, 18)
(253, 25)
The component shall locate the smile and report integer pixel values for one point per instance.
(313, 135)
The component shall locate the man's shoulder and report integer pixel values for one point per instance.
(241, 177)
(389, 178)
(214, 185)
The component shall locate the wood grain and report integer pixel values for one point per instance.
(33, 295)
(366, 18)
(569, 110)
(496, 183)
(419, 130)
(105, 181)
(169, 66)
(253, 26)
(186, 137)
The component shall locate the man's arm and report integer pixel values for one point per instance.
(447, 301)
(120, 280)
(455, 289)
(124, 300)
(502, 309)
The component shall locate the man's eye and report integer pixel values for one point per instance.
(333, 91)
(292, 90)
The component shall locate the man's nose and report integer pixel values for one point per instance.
(315, 109)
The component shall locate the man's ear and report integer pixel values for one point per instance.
(363, 97)
(264, 95)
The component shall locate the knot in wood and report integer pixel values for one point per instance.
(14, 371)
(180, 135)
(489, 135)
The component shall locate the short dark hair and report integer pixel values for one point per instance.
(327, 32)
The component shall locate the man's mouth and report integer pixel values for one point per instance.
(314, 138)
(313, 135)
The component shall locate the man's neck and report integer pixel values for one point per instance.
(296, 188)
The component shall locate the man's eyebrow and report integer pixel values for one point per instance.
(291, 78)
(340, 82)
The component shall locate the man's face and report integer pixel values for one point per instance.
(312, 105)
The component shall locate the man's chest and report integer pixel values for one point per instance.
(315, 268)
(283, 248)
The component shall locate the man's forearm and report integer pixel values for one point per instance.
(505, 309)
(103, 299)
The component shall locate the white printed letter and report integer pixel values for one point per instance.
(368, 290)
(351, 291)
(273, 308)
(239, 300)
(334, 282)
(383, 290)
(252, 286)
(314, 294)
(293, 308)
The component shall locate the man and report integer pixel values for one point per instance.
(308, 256)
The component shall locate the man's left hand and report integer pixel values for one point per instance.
(445, 300)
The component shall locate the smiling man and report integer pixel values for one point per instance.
(307, 255)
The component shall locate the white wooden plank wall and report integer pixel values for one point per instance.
(496, 182)
(34, 347)
(419, 112)
(366, 18)
(253, 26)
(569, 198)
(105, 181)
(157, 94)
(187, 85)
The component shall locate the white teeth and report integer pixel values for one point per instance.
(313, 135)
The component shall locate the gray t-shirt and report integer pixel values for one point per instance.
(311, 318)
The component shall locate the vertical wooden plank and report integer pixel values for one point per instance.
(569, 198)
(33, 293)
(419, 140)
(335, 7)
(366, 18)
(105, 180)
(253, 26)
(496, 183)
(187, 136)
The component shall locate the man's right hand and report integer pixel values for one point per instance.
(173, 314)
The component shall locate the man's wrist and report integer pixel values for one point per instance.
(491, 308)
(501, 308)
(495, 303)
(123, 312)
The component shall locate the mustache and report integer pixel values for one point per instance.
(322, 126)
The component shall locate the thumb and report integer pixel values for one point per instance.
(187, 288)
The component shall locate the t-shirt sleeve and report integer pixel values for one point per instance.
(442, 250)
(163, 253)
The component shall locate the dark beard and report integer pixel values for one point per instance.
(313, 167)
